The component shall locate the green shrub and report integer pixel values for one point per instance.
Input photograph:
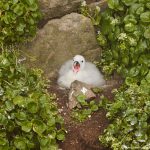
(86, 108)
(125, 28)
(28, 114)
(129, 118)
(18, 20)
(124, 35)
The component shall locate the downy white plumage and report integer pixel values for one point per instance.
(79, 69)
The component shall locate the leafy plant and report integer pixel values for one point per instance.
(130, 116)
(86, 108)
(93, 15)
(124, 36)
(18, 20)
(28, 114)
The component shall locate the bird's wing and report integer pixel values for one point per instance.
(90, 66)
(94, 75)
(65, 67)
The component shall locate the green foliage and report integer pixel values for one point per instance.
(129, 115)
(124, 35)
(28, 114)
(18, 20)
(94, 16)
(86, 108)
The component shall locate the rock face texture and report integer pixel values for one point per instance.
(61, 39)
(58, 8)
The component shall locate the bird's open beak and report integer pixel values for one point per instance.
(76, 66)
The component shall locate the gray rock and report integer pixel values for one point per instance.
(102, 4)
(58, 8)
(60, 40)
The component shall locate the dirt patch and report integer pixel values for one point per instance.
(81, 136)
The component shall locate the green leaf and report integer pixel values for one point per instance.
(60, 135)
(32, 107)
(3, 141)
(130, 19)
(31, 21)
(148, 5)
(125, 60)
(113, 4)
(81, 98)
(26, 126)
(21, 115)
(50, 147)
(3, 119)
(138, 133)
(5, 62)
(10, 126)
(6, 6)
(9, 105)
(2, 133)
(134, 71)
(20, 27)
(18, 10)
(115, 54)
(117, 105)
(51, 121)
(147, 33)
(140, 10)
(142, 45)
(94, 108)
(43, 141)
(34, 7)
(133, 121)
(133, 8)
(6, 19)
(143, 1)
(20, 101)
(101, 39)
(92, 103)
(15, 1)
(87, 111)
(129, 81)
(38, 126)
(145, 17)
(148, 77)
(130, 27)
(144, 70)
(20, 143)
(129, 2)
(30, 2)
(35, 15)
(30, 144)
(59, 120)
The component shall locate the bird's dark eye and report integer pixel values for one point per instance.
(82, 61)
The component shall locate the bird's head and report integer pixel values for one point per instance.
(78, 63)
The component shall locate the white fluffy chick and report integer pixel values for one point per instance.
(79, 69)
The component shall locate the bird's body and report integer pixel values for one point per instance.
(78, 69)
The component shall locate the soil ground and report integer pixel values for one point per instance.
(82, 136)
